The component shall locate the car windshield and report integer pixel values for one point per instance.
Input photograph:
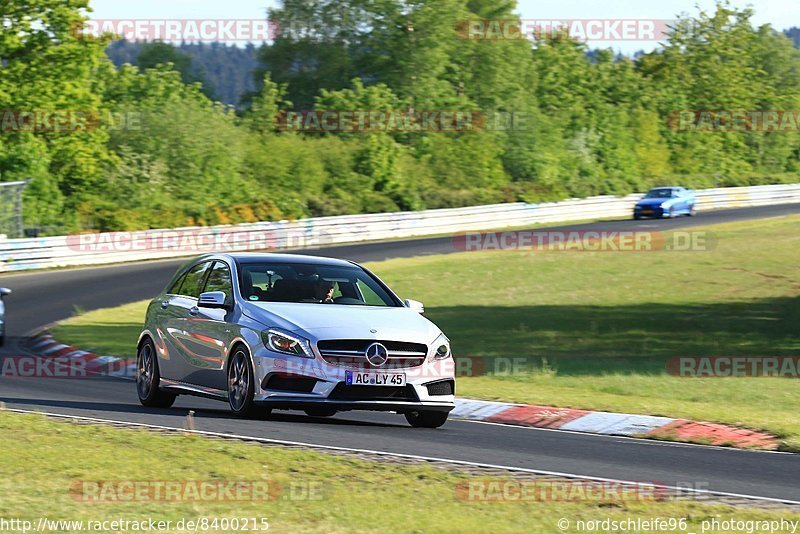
(311, 284)
(659, 193)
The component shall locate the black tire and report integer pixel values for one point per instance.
(2, 340)
(148, 377)
(637, 217)
(320, 412)
(241, 387)
(426, 419)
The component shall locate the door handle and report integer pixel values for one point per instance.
(164, 304)
(194, 310)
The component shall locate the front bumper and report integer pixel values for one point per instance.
(295, 403)
(650, 212)
(296, 383)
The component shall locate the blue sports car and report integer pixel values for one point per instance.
(665, 202)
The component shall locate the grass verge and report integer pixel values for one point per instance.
(320, 492)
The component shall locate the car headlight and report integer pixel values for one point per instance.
(286, 343)
(442, 350)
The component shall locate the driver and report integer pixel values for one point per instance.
(323, 291)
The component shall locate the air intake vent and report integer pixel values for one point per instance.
(356, 393)
(445, 387)
(299, 384)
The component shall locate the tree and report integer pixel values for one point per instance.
(48, 67)
(265, 106)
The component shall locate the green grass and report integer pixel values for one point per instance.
(110, 332)
(351, 495)
(604, 323)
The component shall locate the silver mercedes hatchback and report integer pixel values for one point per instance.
(285, 331)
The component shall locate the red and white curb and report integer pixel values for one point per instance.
(45, 346)
(613, 424)
(608, 423)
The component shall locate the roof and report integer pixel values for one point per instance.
(255, 257)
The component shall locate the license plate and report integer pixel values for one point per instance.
(647, 212)
(354, 378)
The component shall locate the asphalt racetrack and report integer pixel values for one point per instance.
(40, 298)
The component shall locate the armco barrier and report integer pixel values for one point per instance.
(63, 251)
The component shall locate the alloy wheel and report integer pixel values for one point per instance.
(145, 371)
(238, 381)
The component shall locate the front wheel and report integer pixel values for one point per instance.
(148, 378)
(240, 384)
(426, 419)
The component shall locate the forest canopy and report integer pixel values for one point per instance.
(150, 146)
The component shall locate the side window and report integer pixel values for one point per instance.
(175, 288)
(193, 281)
(219, 279)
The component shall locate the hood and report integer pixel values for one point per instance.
(654, 202)
(335, 321)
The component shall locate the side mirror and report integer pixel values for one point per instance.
(4, 292)
(212, 299)
(415, 305)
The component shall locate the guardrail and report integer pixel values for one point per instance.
(96, 249)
